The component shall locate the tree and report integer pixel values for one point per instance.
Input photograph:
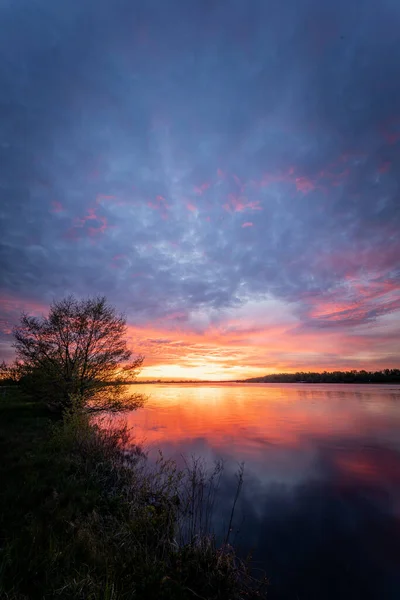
(78, 354)
(8, 373)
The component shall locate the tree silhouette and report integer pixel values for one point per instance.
(77, 355)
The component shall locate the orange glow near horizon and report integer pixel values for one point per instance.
(261, 337)
(232, 352)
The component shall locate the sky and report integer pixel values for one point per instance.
(226, 172)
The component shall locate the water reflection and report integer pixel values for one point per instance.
(320, 508)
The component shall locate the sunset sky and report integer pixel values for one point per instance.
(227, 173)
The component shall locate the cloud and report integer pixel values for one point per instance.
(163, 135)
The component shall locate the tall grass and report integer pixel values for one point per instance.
(105, 524)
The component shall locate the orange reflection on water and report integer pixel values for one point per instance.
(248, 420)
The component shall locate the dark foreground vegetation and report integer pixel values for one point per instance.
(82, 518)
(385, 376)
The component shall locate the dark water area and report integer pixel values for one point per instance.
(320, 504)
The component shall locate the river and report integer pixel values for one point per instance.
(320, 504)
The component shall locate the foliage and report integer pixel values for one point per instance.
(79, 350)
(82, 516)
(9, 374)
(385, 376)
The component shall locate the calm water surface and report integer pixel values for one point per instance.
(320, 507)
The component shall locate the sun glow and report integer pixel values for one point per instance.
(208, 372)
(253, 339)
(257, 339)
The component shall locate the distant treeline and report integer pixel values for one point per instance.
(385, 376)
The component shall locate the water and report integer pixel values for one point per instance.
(320, 506)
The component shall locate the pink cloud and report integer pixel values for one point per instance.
(247, 224)
(94, 174)
(179, 315)
(191, 207)
(93, 231)
(330, 173)
(200, 189)
(5, 327)
(240, 204)
(101, 197)
(269, 178)
(239, 183)
(357, 300)
(117, 260)
(350, 264)
(57, 207)
(304, 184)
(160, 205)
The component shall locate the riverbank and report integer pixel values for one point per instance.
(82, 519)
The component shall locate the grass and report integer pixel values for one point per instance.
(82, 518)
